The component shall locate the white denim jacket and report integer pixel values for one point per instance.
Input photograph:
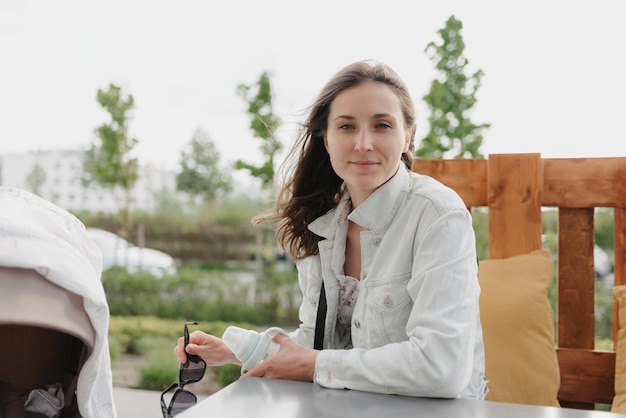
(415, 326)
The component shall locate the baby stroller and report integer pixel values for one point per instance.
(54, 358)
(45, 337)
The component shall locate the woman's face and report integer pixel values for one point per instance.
(366, 137)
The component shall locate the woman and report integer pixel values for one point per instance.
(394, 250)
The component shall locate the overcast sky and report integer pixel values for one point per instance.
(554, 78)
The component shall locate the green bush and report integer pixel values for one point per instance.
(205, 295)
(142, 334)
(159, 371)
(136, 336)
(130, 294)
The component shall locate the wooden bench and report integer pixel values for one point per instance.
(514, 188)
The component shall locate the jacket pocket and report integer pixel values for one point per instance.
(387, 311)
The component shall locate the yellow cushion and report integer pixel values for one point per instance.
(518, 329)
(619, 401)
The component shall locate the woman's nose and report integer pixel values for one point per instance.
(363, 140)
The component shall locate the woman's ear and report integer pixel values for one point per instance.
(407, 140)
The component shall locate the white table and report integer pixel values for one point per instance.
(267, 398)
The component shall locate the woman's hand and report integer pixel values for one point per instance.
(292, 362)
(210, 348)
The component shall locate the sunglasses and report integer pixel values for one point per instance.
(191, 371)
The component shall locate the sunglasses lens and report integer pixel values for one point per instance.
(181, 401)
(193, 370)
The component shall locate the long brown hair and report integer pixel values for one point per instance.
(311, 187)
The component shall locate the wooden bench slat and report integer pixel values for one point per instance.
(568, 182)
(619, 243)
(584, 182)
(467, 177)
(586, 376)
(514, 196)
(576, 283)
(619, 271)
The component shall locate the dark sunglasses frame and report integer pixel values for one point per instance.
(191, 371)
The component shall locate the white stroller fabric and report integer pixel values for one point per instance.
(36, 234)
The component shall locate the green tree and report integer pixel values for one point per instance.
(263, 123)
(108, 161)
(451, 98)
(200, 173)
(36, 178)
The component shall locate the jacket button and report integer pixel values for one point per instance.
(357, 324)
(377, 242)
(388, 302)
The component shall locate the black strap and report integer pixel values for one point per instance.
(318, 343)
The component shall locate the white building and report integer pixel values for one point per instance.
(62, 185)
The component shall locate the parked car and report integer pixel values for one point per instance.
(117, 252)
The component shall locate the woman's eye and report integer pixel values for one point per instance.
(383, 125)
(345, 126)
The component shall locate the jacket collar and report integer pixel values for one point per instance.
(375, 213)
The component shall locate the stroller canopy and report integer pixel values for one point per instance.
(50, 281)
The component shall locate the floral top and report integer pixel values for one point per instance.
(348, 292)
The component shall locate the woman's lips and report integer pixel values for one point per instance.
(364, 164)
